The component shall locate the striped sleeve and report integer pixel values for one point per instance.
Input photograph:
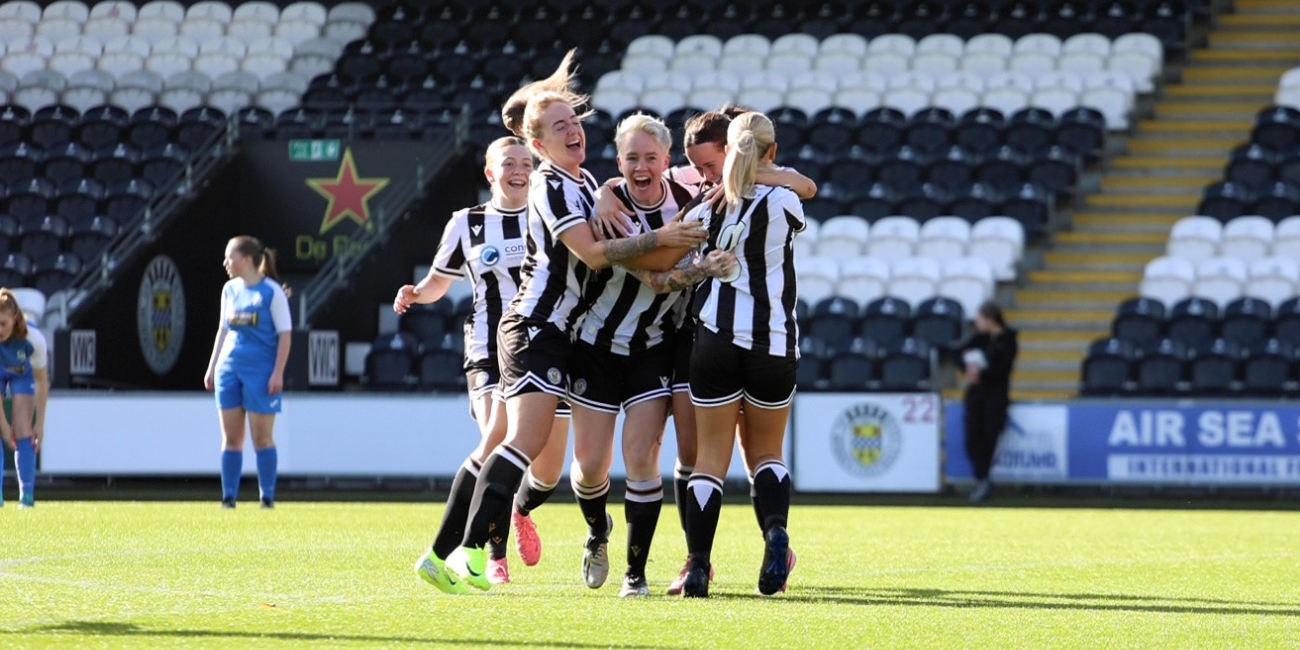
(792, 207)
(558, 203)
(449, 261)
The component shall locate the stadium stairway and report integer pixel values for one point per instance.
(1168, 160)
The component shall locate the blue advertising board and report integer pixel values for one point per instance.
(1153, 443)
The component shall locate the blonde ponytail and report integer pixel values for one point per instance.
(750, 136)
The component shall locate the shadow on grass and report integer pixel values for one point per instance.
(114, 629)
(1023, 600)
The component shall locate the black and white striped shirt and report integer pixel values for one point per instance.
(627, 316)
(486, 243)
(553, 275)
(757, 309)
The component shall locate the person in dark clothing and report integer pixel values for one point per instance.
(989, 356)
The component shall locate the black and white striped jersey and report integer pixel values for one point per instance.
(553, 275)
(757, 309)
(484, 244)
(626, 316)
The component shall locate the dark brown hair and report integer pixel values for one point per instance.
(711, 126)
(993, 312)
(9, 303)
(262, 256)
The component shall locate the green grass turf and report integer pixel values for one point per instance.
(189, 575)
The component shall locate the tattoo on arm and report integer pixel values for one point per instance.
(630, 248)
(685, 275)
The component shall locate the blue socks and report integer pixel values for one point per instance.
(232, 464)
(25, 461)
(266, 462)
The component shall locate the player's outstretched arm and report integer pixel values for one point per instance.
(603, 254)
(688, 272)
(430, 289)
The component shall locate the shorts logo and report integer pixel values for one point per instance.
(490, 256)
(866, 439)
(663, 380)
(580, 387)
(554, 375)
(533, 332)
(480, 380)
(160, 314)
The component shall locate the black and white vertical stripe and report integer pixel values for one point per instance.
(552, 275)
(757, 309)
(486, 245)
(626, 316)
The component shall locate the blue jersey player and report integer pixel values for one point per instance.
(247, 365)
(23, 378)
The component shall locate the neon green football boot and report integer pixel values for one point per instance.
(470, 566)
(434, 571)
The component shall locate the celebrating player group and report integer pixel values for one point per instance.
(662, 292)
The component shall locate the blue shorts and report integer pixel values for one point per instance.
(11, 384)
(246, 388)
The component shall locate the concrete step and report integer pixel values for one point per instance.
(1069, 260)
(1058, 339)
(1046, 298)
(1045, 376)
(1052, 356)
(1125, 222)
(1181, 185)
(1194, 128)
(1243, 74)
(1210, 110)
(1108, 240)
(1252, 38)
(1146, 202)
(1266, 6)
(1169, 146)
(1084, 277)
(1042, 394)
(1200, 165)
(1256, 20)
(1060, 318)
(1220, 90)
(1271, 56)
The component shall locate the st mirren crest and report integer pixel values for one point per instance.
(160, 314)
(866, 439)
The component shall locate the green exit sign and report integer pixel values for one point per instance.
(313, 150)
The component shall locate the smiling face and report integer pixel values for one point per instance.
(236, 263)
(560, 137)
(643, 161)
(7, 322)
(707, 159)
(507, 172)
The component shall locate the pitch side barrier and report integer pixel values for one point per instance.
(1199, 443)
(856, 442)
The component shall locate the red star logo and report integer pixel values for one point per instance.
(347, 194)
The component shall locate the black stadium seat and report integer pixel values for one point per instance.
(441, 370)
(424, 323)
(850, 371)
(938, 322)
(834, 321)
(391, 362)
(905, 367)
(55, 272)
(1246, 320)
(15, 270)
(1214, 369)
(1193, 321)
(91, 237)
(1269, 369)
(887, 321)
(1108, 368)
(1139, 321)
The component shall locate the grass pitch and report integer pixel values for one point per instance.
(189, 575)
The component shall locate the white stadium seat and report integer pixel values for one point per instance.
(969, 281)
(915, 279)
(817, 278)
(943, 43)
(1142, 68)
(122, 9)
(131, 99)
(167, 9)
(1001, 242)
(58, 29)
(15, 29)
(134, 44)
(1089, 42)
(1082, 63)
(297, 31)
(866, 80)
(934, 63)
(275, 46)
(183, 45)
(984, 63)
(22, 63)
(1139, 42)
(355, 11)
(1039, 44)
(291, 81)
(344, 31)
(249, 30)
(120, 63)
(690, 61)
(1007, 101)
(1273, 279)
(306, 11)
(190, 80)
(960, 79)
(863, 279)
(1058, 100)
(912, 79)
(155, 29)
(850, 44)
(943, 238)
(956, 100)
(70, 63)
(893, 237)
(1168, 279)
(203, 30)
(210, 10)
(857, 100)
(1113, 104)
(761, 99)
(809, 100)
(843, 237)
(803, 44)
(1061, 79)
(897, 43)
(74, 10)
(838, 63)
(24, 10)
(180, 99)
(1032, 63)
(166, 64)
(1221, 279)
(753, 45)
(1018, 80)
(1286, 237)
(34, 98)
(141, 79)
(644, 64)
(888, 63)
(85, 44)
(718, 80)
(614, 101)
(909, 100)
(238, 81)
(709, 97)
(789, 63)
(705, 44)
(1195, 238)
(229, 100)
(263, 64)
(990, 43)
(622, 80)
(277, 100)
(655, 45)
(1248, 238)
(225, 45)
(93, 79)
(662, 100)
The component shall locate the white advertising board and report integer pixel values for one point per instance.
(866, 442)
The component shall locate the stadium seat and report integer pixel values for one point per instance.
(1214, 370)
(939, 322)
(893, 237)
(441, 370)
(1000, 241)
(1168, 279)
(1161, 368)
(1246, 320)
(863, 279)
(1108, 368)
(1268, 370)
(1139, 321)
(915, 279)
(1193, 321)
(55, 272)
(1221, 279)
(905, 367)
(1274, 279)
(1195, 238)
(391, 362)
(834, 321)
